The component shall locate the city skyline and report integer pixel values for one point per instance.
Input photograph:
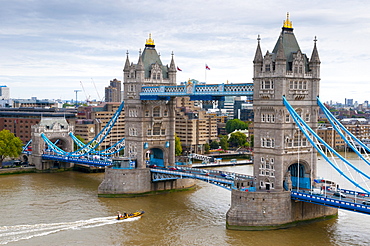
(49, 47)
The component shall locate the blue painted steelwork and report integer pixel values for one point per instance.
(71, 159)
(93, 144)
(307, 131)
(210, 176)
(336, 125)
(196, 91)
(25, 148)
(331, 202)
(120, 145)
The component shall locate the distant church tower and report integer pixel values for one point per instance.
(284, 72)
(149, 124)
(283, 157)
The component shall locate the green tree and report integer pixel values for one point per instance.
(79, 138)
(237, 139)
(178, 147)
(236, 124)
(206, 148)
(214, 144)
(10, 145)
(223, 142)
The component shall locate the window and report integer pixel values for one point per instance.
(156, 112)
(263, 117)
(165, 113)
(267, 67)
(300, 69)
(163, 131)
(307, 117)
(287, 118)
(156, 130)
(149, 132)
(131, 88)
(158, 76)
(147, 113)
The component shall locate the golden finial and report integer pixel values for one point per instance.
(150, 41)
(287, 22)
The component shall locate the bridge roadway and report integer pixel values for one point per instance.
(353, 200)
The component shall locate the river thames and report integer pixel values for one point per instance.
(64, 209)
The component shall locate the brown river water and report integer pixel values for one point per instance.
(64, 209)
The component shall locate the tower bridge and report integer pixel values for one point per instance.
(284, 152)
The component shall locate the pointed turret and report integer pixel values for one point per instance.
(315, 53)
(315, 61)
(127, 64)
(172, 71)
(280, 59)
(140, 71)
(258, 58)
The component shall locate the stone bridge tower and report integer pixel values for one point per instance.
(149, 128)
(283, 157)
(55, 129)
(150, 124)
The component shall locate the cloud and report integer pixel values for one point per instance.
(68, 41)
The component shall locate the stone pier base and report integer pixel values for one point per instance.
(272, 210)
(137, 182)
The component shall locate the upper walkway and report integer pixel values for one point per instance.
(196, 91)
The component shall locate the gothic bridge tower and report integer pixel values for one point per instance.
(149, 128)
(149, 124)
(283, 157)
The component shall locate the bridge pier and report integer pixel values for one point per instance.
(253, 211)
(137, 182)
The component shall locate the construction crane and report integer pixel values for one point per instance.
(96, 89)
(76, 91)
(87, 97)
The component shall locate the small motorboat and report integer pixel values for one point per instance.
(129, 215)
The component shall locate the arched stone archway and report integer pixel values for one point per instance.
(299, 173)
(53, 128)
(156, 157)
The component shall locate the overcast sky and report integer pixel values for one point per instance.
(47, 47)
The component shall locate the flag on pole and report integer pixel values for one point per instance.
(178, 69)
(207, 67)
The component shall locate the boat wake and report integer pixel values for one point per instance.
(16, 233)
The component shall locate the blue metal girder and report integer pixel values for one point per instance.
(163, 92)
(331, 202)
(76, 160)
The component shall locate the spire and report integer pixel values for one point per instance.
(140, 64)
(280, 54)
(315, 53)
(258, 56)
(172, 64)
(150, 41)
(127, 63)
(287, 23)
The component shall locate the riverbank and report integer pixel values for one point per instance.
(17, 170)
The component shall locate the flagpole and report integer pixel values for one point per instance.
(205, 73)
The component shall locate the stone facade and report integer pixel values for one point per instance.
(54, 128)
(282, 154)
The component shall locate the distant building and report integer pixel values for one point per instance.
(34, 103)
(20, 120)
(92, 119)
(4, 92)
(113, 91)
(194, 126)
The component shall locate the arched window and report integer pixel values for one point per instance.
(156, 112)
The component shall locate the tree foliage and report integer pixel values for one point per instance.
(237, 139)
(236, 124)
(10, 145)
(206, 148)
(223, 142)
(214, 144)
(178, 147)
